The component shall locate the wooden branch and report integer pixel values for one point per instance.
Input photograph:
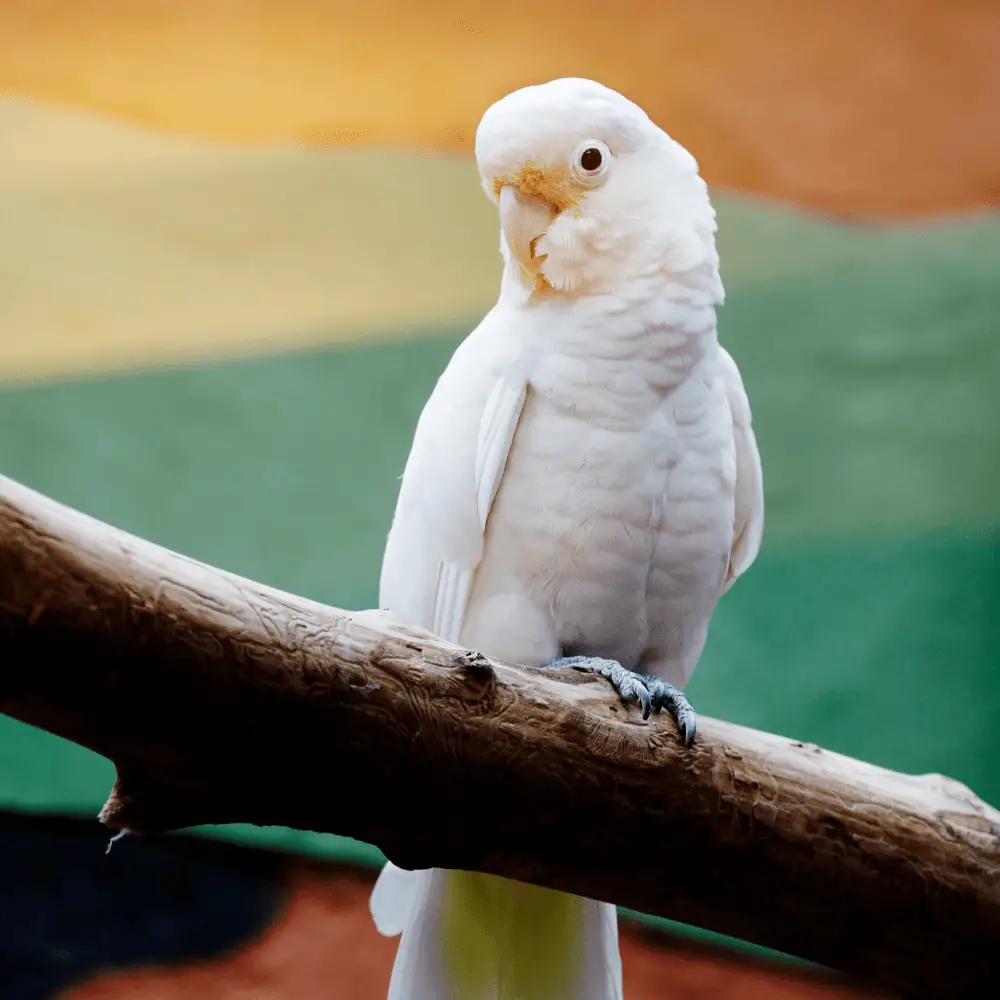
(221, 700)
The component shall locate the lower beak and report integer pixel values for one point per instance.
(524, 219)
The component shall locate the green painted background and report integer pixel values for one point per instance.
(871, 622)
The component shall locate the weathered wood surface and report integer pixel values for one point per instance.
(222, 700)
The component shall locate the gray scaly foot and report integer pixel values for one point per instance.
(651, 693)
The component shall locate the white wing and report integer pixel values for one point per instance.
(456, 463)
(748, 528)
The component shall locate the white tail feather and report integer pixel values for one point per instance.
(412, 903)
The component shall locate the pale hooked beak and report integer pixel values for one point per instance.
(524, 219)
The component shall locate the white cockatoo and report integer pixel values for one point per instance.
(583, 485)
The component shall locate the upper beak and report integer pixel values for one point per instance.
(524, 219)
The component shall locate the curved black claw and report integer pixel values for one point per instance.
(629, 685)
(665, 695)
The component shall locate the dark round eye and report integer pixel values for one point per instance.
(591, 159)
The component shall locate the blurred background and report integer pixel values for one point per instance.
(240, 239)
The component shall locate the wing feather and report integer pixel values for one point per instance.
(496, 434)
(748, 528)
(456, 465)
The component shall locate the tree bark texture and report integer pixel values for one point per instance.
(222, 700)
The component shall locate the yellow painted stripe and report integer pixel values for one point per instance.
(843, 104)
(123, 247)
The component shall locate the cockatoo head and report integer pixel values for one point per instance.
(592, 194)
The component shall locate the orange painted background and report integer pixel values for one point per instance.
(857, 107)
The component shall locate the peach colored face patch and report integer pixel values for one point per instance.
(553, 184)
